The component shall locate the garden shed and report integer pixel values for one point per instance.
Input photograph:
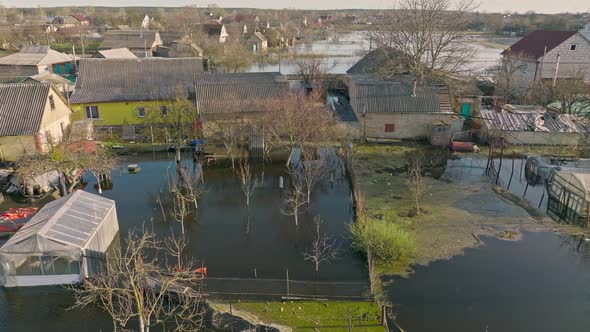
(569, 195)
(65, 242)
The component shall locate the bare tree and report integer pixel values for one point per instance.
(185, 193)
(247, 180)
(568, 95)
(69, 160)
(136, 285)
(233, 57)
(508, 75)
(323, 248)
(180, 116)
(428, 37)
(299, 119)
(312, 70)
(415, 179)
(229, 131)
(315, 167)
(419, 160)
(295, 197)
(100, 164)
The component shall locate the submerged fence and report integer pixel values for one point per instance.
(244, 288)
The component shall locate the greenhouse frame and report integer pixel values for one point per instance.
(65, 242)
(569, 196)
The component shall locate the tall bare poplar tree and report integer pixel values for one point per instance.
(429, 35)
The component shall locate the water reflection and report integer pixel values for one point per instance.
(537, 284)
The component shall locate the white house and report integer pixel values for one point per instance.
(550, 55)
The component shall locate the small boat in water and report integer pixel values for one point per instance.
(18, 213)
(13, 219)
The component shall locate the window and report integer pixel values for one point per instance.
(91, 112)
(52, 103)
(141, 112)
(389, 127)
(164, 110)
(573, 47)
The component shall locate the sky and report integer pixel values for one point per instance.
(539, 6)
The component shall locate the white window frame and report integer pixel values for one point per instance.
(90, 116)
(140, 109)
(573, 47)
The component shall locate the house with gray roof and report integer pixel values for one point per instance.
(386, 105)
(142, 43)
(117, 91)
(33, 116)
(33, 60)
(234, 94)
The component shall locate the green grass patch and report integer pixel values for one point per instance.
(317, 315)
(387, 241)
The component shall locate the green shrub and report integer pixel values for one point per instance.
(387, 241)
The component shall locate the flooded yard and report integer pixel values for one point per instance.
(539, 283)
(227, 237)
(341, 51)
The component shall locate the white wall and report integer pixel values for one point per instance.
(570, 62)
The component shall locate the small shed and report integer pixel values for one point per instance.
(65, 242)
(442, 131)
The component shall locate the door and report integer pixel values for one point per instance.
(466, 109)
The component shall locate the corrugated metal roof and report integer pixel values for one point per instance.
(117, 53)
(546, 122)
(237, 92)
(48, 77)
(35, 56)
(64, 224)
(21, 108)
(132, 39)
(395, 96)
(106, 80)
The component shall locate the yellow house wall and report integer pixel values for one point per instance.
(11, 147)
(117, 113)
(54, 122)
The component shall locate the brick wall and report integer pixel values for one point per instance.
(405, 125)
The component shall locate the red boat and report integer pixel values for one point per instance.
(18, 213)
(13, 219)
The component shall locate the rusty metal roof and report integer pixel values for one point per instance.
(540, 122)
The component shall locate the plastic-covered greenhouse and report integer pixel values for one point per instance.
(569, 195)
(63, 243)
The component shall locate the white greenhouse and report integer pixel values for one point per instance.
(65, 242)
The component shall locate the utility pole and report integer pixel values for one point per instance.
(556, 70)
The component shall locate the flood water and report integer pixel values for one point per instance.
(230, 239)
(537, 284)
(341, 51)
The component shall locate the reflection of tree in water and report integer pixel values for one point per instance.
(579, 243)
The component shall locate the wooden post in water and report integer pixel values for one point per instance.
(500, 166)
(288, 284)
(511, 174)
